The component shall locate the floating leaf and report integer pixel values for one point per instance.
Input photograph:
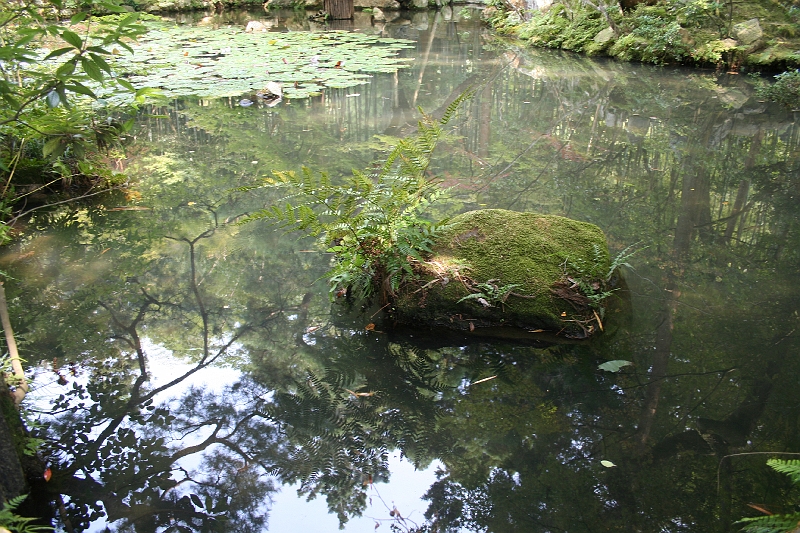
(308, 62)
(614, 366)
(607, 464)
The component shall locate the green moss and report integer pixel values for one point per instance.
(534, 253)
(689, 32)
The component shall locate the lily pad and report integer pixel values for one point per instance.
(197, 61)
(614, 366)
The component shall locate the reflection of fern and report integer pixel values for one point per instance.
(10, 521)
(776, 523)
(373, 224)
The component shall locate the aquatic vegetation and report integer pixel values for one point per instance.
(375, 225)
(183, 61)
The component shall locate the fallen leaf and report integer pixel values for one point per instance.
(607, 464)
(369, 327)
(47, 474)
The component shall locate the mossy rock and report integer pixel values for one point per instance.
(495, 268)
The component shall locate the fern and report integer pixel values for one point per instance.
(781, 523)
(374, 224)
(18, 524)
(789, 467)
(776, 523)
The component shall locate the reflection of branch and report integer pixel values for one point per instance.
(193, 281)
(21, 388)
(396, 517)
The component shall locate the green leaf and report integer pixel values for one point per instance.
(72, 38)
(59, 52)
(614, 366)
(100, 62)
(53, 147)
(66, 69)
(126, 84)
(80, 88)
(607, 464)
(129, 19)
(78, 17)
(91, 69)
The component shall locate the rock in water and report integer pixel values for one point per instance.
(497, 268)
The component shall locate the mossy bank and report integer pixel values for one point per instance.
(761, 35)
(496, 268)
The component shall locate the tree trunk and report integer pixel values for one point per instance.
(339, 9)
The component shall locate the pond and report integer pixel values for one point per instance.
(191, 373)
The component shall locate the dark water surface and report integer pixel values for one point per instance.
(190, 367)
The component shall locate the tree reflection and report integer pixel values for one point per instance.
(707, 180)
(199, 462)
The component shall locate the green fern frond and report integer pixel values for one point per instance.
(783, 523)
(790, 467)
(451, 110)
(11, 521)
(374, 223)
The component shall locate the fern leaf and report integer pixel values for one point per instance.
(782, 523)
(790, 467)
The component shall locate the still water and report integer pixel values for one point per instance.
(193, 375)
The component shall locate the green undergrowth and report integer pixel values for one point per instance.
(785, 90)
(690, 32)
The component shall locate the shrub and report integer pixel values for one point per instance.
(785, 90)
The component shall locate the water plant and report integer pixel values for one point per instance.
(375, 225)
(196, 61)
